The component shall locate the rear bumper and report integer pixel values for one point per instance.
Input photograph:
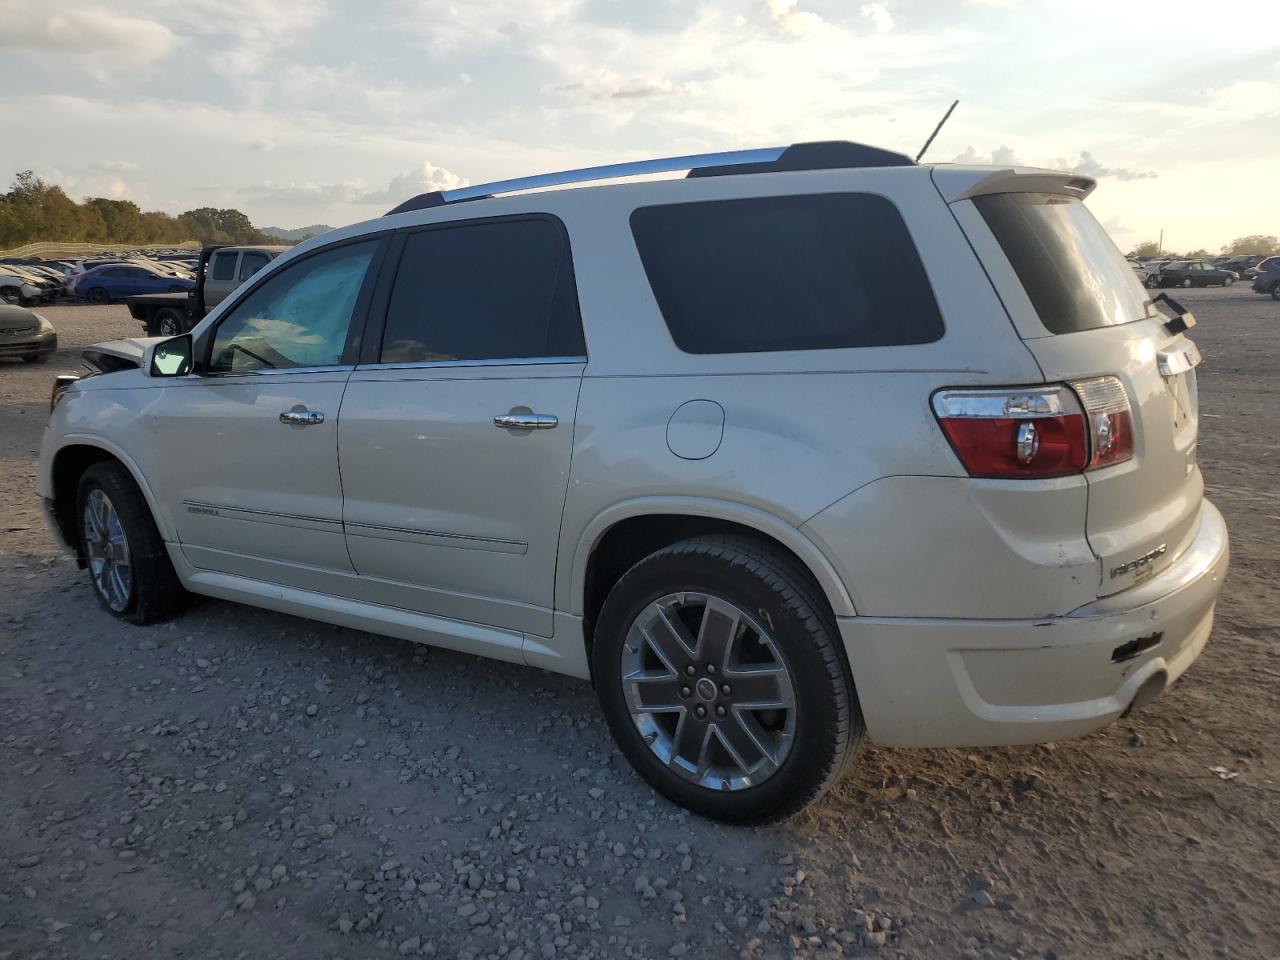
(952, 683)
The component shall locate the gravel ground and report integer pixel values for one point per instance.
(246, 784)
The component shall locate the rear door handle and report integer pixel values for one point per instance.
(302, 418)
(526, 421)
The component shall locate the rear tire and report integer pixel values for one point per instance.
(777, 642)
(98, 296)
(167, 323)
(1186, 282)
(131, 575)
(1275, 291)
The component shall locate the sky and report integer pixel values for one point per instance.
(332, 111)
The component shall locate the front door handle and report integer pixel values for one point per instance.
(302, 418)
(526, 421)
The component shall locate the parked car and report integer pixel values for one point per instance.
(1191, 273)
(1267, 277)
(25, 335)
(17, 287)
(694, 440)
(122, 280)
(220, 269)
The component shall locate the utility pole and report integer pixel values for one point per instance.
(1160, 245)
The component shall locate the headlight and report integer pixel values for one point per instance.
(45, 325)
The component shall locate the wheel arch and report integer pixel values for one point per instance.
(68, 464)
(627, 532)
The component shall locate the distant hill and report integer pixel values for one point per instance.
(295, 236)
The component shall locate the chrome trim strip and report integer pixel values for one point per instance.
(201, 508)
(610, 171)
(375, 531)
(434, 364)
(270, 371)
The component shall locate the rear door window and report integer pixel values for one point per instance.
(251, 263)
(495, 290)
(812, 272)
(1071, 270)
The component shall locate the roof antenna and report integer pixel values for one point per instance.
(945, 117)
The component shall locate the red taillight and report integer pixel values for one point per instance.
(1038, 432)
(1015, 433)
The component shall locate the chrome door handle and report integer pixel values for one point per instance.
(525, 421)
(302, 418)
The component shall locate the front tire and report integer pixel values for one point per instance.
(1153, 282)
(720, 672)
(11, 296)
(128, 565)
(1275, 291)
(37, 357)
(1186, 282)
(1228, 281)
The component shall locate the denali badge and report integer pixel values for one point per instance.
(1139, 562)
(212, 512)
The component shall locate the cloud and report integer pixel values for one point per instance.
(790, 19)
(295, 194)
(878, 14)
(263, 145)
(608, 86)
(80, 30)
(426, 178)
(1001, 156)
(114, 166)
(1090, 167)
(1085, 163)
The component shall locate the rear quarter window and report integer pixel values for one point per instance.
(812, 272)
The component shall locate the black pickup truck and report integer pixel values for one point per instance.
(220, 270)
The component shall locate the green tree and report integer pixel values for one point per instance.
(1263, 245)
(1147, 250)
(121, 220)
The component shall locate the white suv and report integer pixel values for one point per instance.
(704, 441)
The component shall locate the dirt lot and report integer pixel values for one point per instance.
(246, 784)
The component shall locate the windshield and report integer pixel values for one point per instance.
(1072, 272)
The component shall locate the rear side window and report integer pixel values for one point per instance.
(813, 272)
(224, 266)
(497, 290)
(1071, 270)
(251, 263)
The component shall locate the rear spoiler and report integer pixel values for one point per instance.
(964, 183)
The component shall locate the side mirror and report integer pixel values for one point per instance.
(171, 358)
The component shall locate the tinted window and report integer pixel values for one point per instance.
(251, 263)
(224, 266)
(299, 317)
(484, 291)
(1072, 272)
(786, 273)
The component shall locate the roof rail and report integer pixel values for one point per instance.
(823, 155)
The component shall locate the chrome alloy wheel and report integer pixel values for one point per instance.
(709, 691)
(108, 549)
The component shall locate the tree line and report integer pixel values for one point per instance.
(34, 211)
(1256, 244)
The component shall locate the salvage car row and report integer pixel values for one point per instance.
(97, 280)
(1213, 272)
